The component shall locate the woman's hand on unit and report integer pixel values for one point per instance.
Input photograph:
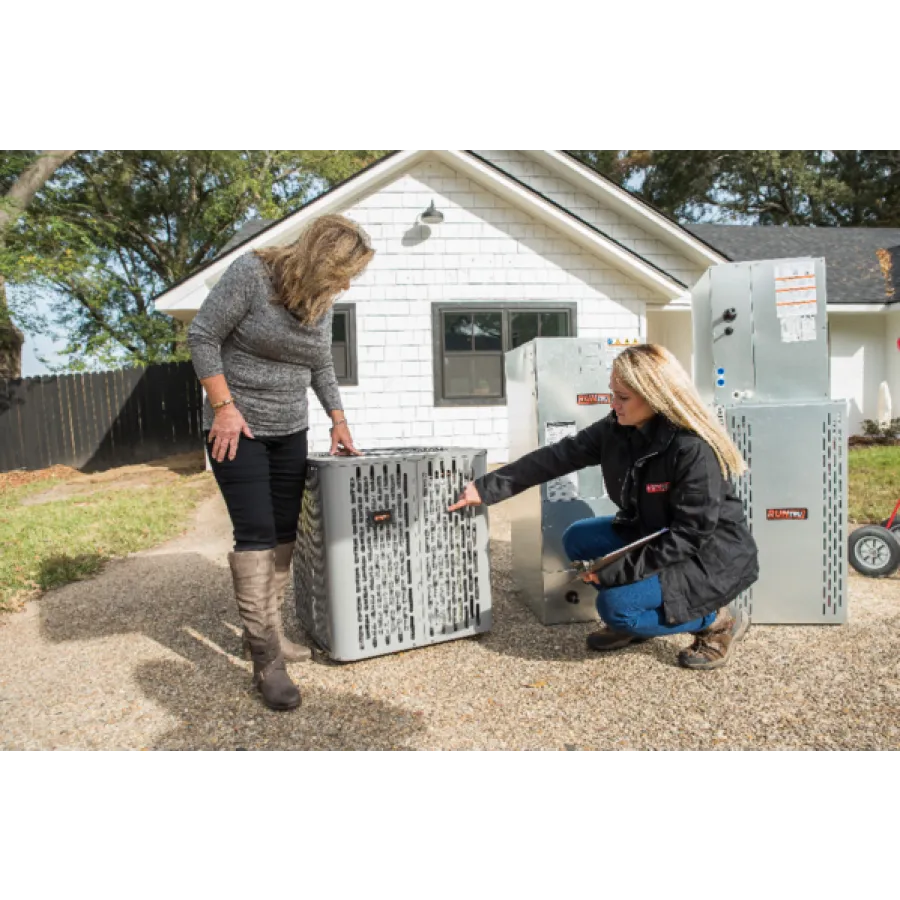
(470, 497)
(342, 441)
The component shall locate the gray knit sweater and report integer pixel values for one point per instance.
(268, 358)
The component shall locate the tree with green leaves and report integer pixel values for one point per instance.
(114, 228)
(22, 174)
(765, 187)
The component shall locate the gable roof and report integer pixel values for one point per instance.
(189, 292)
(498, 181)
(856, 271)
(656, 222)
(863, 263)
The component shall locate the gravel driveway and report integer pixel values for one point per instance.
(144, 657)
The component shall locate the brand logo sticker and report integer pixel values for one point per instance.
(787, 515)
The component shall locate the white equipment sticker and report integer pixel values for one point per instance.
(565, 489)
(796, 329)
(795, 289)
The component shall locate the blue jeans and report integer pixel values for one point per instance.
(635, 608)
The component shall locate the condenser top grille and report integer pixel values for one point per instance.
(391, 455)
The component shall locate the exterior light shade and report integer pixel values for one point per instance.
(432, 216)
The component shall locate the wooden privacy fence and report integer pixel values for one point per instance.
(98, 421)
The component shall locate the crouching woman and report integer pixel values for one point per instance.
(667, 463)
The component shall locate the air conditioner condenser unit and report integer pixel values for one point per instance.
(380, 566)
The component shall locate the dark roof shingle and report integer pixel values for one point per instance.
(245, 232)
(856, 271)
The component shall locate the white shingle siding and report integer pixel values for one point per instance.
(485, 251)
(626, 232)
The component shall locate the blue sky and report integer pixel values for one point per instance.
(31, 366)
(39, 344)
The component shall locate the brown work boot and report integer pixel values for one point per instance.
(714, 647)
(253, 574)
(607, 640)
(293, 653)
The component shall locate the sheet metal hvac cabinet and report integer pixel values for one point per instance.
(555, 388)
(761, 357)
(380, 566)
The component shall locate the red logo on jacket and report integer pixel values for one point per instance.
(658, 488)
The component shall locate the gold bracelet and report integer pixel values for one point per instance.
(217, 406)
(337, 424)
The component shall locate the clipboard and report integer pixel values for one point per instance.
(584, 567)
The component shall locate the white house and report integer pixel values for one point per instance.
(532, 242)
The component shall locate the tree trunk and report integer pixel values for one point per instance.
(28, 184)
(15, 203)
(11, 340)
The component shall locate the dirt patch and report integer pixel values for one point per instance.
(182, 464)
(78, 484)
(18, 478)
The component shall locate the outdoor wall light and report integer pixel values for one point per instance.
(432, 216)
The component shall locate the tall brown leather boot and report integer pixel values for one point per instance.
(253, 573)
(293, 653)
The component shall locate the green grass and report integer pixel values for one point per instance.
(874, 483)
(51, 544)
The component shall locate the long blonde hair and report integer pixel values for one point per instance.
(653, 373)
(310, 273)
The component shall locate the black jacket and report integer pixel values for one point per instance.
(660, 477)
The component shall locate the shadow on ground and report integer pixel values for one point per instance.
(518, 634)
(63, 568)
(184, 603)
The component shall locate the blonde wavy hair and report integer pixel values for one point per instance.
(653, 373)
(310, 273)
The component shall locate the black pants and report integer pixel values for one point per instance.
(263, 489)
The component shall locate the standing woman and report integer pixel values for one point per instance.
(261, 339)
(666, 463)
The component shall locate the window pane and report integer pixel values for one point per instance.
(555, 324)
(339, 328)
(473, 376)
(339, 354)
(457, 332)
(489, 332)
(524, 327)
